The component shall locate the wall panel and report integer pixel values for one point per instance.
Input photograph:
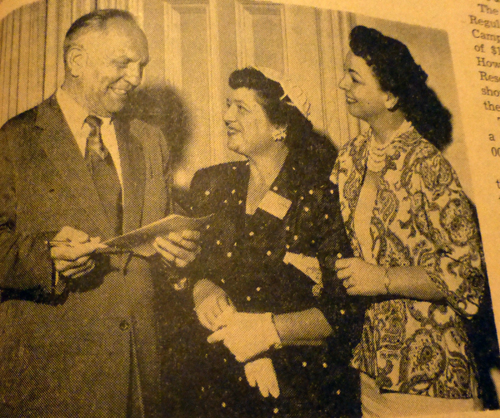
(260, 35)
(36, 55)
(5, 88)
(192, 68)
(3, 60)
(333, 34)
(14, 61)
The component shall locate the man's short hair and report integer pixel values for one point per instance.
(94, 21)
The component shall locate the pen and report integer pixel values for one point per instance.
(67, 243)
(59, 243)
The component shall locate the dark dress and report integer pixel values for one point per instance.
(243, 254)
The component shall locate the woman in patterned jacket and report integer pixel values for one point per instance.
(415, 237)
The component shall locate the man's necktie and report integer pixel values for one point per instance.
(103, 171)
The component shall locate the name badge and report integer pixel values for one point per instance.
(275, 204)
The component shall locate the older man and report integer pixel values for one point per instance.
(77, 330)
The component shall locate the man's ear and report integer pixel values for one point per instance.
(76, 60)
(391, 101)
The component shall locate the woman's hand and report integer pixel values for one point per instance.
(261, 373)
(247, 334)
(212, 305)
(361, 278)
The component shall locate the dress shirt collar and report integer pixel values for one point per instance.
(75, 115)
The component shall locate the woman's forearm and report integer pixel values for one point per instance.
(412, 283)
(361, 278)
(304, 327)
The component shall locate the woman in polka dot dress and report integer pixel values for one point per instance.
(280, 327)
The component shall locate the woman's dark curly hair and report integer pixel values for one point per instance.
(277, 108)
(397, 73)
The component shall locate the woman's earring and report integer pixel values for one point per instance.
(280, 135)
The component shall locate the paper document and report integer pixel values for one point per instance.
(140, 240)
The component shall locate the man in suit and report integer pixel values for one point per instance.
(77, 330)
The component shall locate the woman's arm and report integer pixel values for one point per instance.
(248, 335)
(302, 328)
(364, 279)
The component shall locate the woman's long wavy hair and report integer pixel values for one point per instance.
(398, 73)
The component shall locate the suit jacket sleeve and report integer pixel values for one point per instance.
(25, 261)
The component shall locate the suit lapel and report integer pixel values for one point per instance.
(133, 174)
(62, 150)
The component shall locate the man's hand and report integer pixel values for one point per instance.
(178, 249)
(261, 373)
(71, 249)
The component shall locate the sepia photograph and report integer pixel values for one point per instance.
(237, 208)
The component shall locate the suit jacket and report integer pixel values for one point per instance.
(90, 349)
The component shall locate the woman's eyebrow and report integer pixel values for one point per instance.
(241, 102)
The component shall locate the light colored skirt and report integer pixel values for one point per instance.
(381, 405)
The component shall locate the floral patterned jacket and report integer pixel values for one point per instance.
(421, 217)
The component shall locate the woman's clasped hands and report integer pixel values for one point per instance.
(246, 335)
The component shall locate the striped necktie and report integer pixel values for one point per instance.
(104, 175)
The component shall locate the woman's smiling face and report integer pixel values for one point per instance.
(365, 99)
(249, 131)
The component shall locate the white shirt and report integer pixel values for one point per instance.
(75, 115)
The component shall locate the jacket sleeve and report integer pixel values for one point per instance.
(25, 262)
(450, 250)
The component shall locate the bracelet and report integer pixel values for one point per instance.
(387, 280)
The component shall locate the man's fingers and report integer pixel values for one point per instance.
(79, 272)
(191, 235)
(62, 266)
(72, 252)
(68, 233)
(180, 240)
(170, 258)
(172, 248)
(217, 336)
(183, 262)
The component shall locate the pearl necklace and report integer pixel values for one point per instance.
(376, 155)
